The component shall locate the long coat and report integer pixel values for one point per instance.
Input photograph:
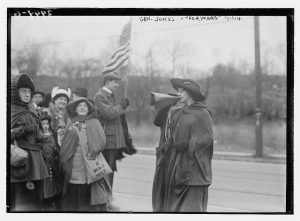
(52, 186)
(158, 186)
(189, 173)
(108, 114)
(21, 116)
(35, 168)
(176, 171)
(194, 124)
(96, 140)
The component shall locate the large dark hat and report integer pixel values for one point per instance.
(81, 91)
(192, 87)
(18, 81)
(71, 107)
(39, 92)
(26, 82)
(111, 76)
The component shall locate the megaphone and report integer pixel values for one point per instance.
(160, 100)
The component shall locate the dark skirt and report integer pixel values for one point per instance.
(77, 199)
(189, 199)
(26, 196)
(52, 186)
(182, 198)
(158, 188)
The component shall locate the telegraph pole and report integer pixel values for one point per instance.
(258, 80)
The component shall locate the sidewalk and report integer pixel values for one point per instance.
(220, 155)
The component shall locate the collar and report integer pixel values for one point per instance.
(106, 89)
(34, 105)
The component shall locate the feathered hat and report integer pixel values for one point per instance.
(58, 92)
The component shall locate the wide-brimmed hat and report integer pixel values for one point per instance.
(39, 92)
(71, 107)
(81, 91)
(58, 92)
(192, 87)
(111, 76)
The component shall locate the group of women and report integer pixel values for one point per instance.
(53, 176)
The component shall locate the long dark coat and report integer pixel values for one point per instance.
(176, 172)
(161, 163)
(22, 115)
(189, 172)
(52, 186)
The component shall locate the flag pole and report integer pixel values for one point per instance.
(129, 65)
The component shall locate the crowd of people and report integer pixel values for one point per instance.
(51, 128)
(58, 131)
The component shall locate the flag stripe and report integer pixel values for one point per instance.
(118, 55)
(121, 55)
(118, 64)
(123, 47)
(112, 67)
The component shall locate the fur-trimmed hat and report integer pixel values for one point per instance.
(26, 82)
(18, 81)
(57, 92)
(71, 107)
(192, 87)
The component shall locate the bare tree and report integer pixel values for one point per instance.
(28, 59)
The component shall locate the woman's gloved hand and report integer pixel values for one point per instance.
(30, 128)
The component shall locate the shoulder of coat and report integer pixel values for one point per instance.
(101, 92)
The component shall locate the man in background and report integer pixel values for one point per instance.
(108, 113)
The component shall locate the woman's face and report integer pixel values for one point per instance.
(82, 109)
(25, 94)
(183, 95)
(60, 102)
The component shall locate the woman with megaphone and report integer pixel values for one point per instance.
(183, 168)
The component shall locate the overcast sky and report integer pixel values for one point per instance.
(209, 42)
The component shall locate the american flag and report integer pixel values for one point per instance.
(121, 54)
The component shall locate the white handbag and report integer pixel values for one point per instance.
(18, 156)
(96, 168)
